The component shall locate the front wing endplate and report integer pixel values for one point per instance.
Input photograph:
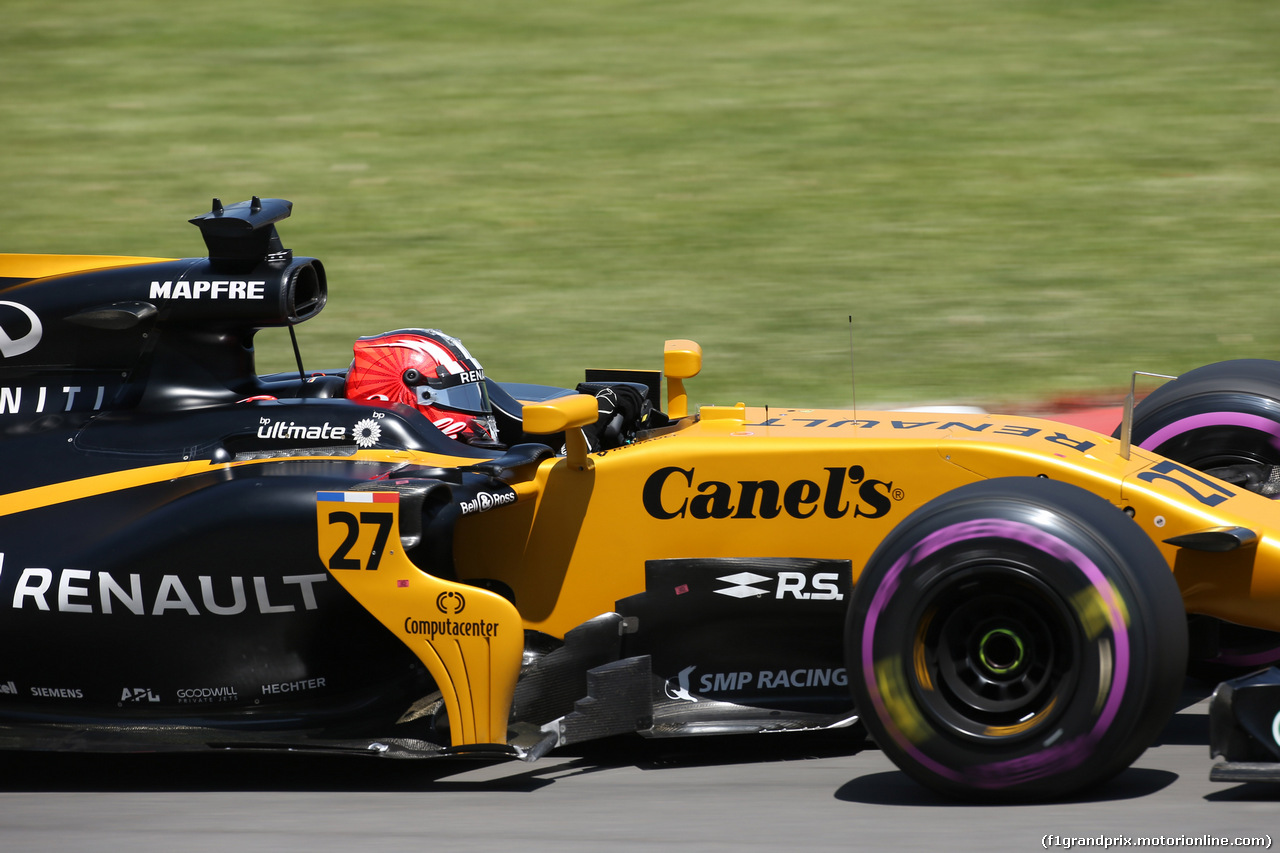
(469, 639)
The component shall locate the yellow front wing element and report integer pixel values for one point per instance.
(470, 640)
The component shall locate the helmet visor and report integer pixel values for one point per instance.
(472, 398)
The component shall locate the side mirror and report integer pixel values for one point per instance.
(568, 415)
(681, 360)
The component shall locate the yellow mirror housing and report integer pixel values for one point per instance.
(568, 415)
(560, 414)
(681, 360)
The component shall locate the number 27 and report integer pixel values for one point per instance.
(342, 558)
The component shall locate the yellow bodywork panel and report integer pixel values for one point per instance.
(42, 266)
(470, 640)
(746, 482)
(72, 490)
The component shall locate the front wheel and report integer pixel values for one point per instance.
(1015, 639)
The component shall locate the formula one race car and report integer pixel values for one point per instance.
(193, 556)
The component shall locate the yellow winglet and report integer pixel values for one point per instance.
(470, 640)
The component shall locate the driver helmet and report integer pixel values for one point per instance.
(429, 370)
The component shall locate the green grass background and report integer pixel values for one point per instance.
(1012, 198)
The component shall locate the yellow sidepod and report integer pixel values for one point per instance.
(470, 640)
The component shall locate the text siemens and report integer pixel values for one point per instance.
(57, 692)
(667, 495)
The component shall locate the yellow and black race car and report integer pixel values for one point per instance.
(194, 556)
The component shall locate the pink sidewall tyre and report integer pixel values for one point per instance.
(1015, 639)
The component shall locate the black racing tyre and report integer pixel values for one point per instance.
(1015, 639)
(1223, 419)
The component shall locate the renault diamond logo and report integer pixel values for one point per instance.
(742, 585)
(25, 342)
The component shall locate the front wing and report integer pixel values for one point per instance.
(1244, 728)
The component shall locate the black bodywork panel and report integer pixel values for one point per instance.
(1244, 728)
(758, 632)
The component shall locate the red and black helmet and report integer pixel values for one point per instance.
(429, 370)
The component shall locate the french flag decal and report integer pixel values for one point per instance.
(360, 497)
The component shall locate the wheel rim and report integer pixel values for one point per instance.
(995, 651)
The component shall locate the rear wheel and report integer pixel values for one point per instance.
(1223, 419)
(1015, 639)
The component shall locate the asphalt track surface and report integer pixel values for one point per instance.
(764, 793)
